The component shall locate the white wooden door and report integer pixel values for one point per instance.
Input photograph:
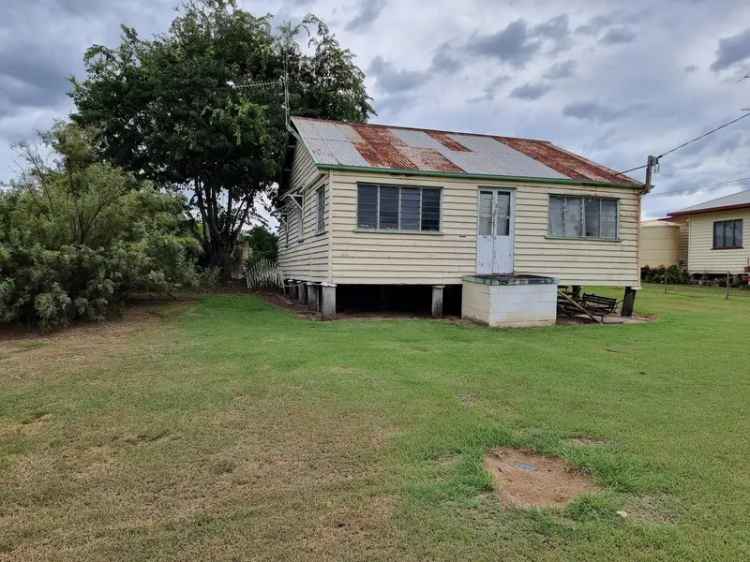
(495, 231)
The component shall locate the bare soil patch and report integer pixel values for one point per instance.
(525, 479)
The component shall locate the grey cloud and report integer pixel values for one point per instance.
(556, 30)
(595, 24)
(514, 44)
(490, 90)
(617, 35)
(599, 23)
(732, 50)
(561, 70)
(518, 43)
(391, 106)
(444, 60)
(530, 91)
(369, 11)
(595, 111)
(392, 80)
(690, 68)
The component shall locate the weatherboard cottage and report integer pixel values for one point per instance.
(379, 207)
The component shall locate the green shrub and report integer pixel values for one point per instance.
(77, 238)
(672, 275)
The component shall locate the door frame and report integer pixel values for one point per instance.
(512, 226)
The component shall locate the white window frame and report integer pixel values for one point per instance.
(399, 229)
(583, 236)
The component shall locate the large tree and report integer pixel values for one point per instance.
(201, 107)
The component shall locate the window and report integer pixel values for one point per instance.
(582, 217)
(393, 207)
(728, 234)
(321, 200)
(298, 219)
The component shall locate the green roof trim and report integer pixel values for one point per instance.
(458, 175)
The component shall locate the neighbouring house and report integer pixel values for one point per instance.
(716, 231)
(375, 209)
(663, 243)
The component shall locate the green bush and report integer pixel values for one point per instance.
(77, 237)
(672, 275)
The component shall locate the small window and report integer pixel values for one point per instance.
(582, 217)
(393, 207)
(299, 220)
(321, 211)
(728, 234)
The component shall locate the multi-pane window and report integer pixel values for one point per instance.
(582, 217)
(393, 207)
(320, 195)
(728, 234)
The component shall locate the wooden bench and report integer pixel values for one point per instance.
(601, 306)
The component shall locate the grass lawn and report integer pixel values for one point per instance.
(228, 429)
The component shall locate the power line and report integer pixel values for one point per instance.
(688, 142)
(704, 135)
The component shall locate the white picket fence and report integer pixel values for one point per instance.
(264, 274)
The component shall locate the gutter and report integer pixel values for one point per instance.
(709, 210)
(458, 175)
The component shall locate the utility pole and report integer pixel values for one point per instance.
(628, 301)
(651, 163)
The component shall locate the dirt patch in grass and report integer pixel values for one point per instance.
(525, 479)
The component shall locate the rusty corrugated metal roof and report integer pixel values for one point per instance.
(335, 143)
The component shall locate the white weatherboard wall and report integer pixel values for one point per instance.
(368, 257)
(702, 258)
(303, 251)
(511, 306)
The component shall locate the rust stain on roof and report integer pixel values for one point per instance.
(564, 162)
(447, 141)
(381, 148)
(430, 159)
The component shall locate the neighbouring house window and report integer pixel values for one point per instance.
(583, 217)
(321, 200)
(393, 207)
(728, 234)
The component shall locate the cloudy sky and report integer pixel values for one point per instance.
(612, 80)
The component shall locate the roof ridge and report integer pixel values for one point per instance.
(423, 129)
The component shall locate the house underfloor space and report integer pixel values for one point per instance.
(413, 300)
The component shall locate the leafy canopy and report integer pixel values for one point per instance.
(201, 107)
